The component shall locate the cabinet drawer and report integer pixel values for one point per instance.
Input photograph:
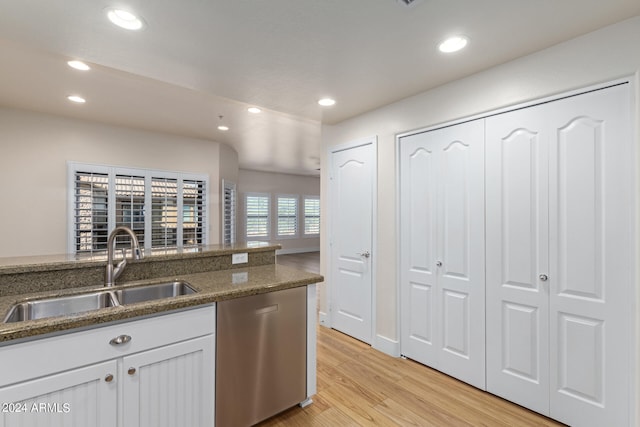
(40, 357)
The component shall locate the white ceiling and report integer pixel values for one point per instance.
(197, 60)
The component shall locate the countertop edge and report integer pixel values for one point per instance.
(34, 329)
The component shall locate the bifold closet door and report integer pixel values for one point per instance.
(442, 250)
(560, 264)
(517, 227)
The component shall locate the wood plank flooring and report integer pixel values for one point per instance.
(360, 386)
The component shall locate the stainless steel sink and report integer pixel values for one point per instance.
(60, 306)
(153, 292)
(74, 304)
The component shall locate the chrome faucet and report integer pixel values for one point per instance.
(112, 273)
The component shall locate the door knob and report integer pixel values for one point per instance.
(438, 263)
(365, 254)
(544, 277)
(131, 371)
(108, 378)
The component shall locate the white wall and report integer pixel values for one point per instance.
(600, 56)
(35, 148)
(250, 181)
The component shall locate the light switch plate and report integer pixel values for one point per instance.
(241, 258)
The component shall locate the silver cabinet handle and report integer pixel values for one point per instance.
(438, 263)
(120, 339)
(544, 277)
(365, 254)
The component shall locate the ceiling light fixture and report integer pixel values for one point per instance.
(254, 110)
(453, 44)
(77, 99)
(78, 65)
(125, 19)
(327, 102)
(222, 127)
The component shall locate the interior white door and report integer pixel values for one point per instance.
(517, 253)
(442, 246)
(351, 238)
(591, 263)
(560, 275)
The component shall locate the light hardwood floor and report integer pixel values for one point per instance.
(360, 386)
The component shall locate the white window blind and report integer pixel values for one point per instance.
(166, 210)
(287, 216)
(90, 213)
(311, 215)
(229, 213)
(257, 215)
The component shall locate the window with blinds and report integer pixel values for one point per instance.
(311, 215)
(165, 209)
(229, 213)
(287, 216)
(257, 215)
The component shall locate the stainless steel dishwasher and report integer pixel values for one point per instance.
(261, 351)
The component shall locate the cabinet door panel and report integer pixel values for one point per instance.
(517, 252)
(171, 386)
(76, 398)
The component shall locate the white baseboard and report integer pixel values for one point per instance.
(323, 319)
(387, 345)
(296, 251)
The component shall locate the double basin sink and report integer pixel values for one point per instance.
(80, 303)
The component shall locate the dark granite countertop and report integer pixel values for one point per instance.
(212, 286)
(11, 265)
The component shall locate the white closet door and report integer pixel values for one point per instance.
(591, 257)
(418, 240)
(560, 257)
(442, 226)
(517, 253)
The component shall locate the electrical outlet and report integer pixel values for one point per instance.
(241, 258)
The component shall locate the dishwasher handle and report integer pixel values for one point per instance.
(267, 309)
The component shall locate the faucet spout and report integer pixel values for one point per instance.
(111, 273)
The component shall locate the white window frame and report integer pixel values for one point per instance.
(246, 216)
(296, 216)
(303, 216)
(149, 175)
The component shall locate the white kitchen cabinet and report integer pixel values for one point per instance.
(170, 386)
(161, 372)
(560, 267)
(442, 250)
(75, 398)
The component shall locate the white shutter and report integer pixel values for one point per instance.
(311, 215)
(166, 210)
(287, 216)
(90, 216)
(229, 213)
(257, 207)
(193, 212)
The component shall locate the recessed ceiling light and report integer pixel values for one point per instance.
(77, 99)
(223, 128)
(254, 110)
(78, 65)
(124, 19)
(453, 44)
(327, 102)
